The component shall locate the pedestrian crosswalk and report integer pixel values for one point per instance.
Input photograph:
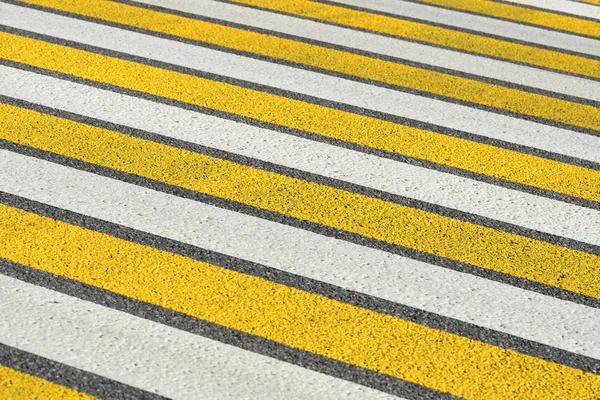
(300, 199)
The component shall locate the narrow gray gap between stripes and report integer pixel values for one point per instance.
(464, 30)
(331, 104)
(369, 31)
(66, 375)
(337, 293)
(312, 177)
(383, 57)
(245, 341)
(548, 11)
(306, 225)
(343, 48)
(315, 100)
(307, 135)
(371, 11)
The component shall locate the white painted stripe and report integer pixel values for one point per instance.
(465, 297)
(454, 116)
(481, 24)
(454, 60)
(569, 7)
(151, 356)
(511, 206)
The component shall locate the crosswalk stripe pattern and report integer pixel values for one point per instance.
(362, 19)
(528, 10)
(588, 1)
(529, 15)
(301, 199)
(15, 384)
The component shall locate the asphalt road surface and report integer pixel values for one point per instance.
(300, 199)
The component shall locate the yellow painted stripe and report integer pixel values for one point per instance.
(402, 349)
(431, 34)
(374, 218)
(484, 159)
(16, 385)
(517, 13)
(352, 64)
(591, 1)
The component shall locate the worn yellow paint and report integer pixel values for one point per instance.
(353, 64)
(516, 13)
(16, 385)
(432, 34)
(340, 331)
(425, 231)
(484, 159)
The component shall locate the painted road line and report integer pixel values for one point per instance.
(500, 99)
(514, 12)
(343, 15)
(491, 305)
(496, 162)
(313, 323)
(57, 373)
(567, 7)
(151, 356)
(313, 361)
(362, 280)
(15, 384)
(380, 46)
(392, 102)
(470, 93)
(497, 203)
(595, 2)
(366, 216)
(361, 148)
(258, 72)
(479, 24)
(265, 308)
(339, 373)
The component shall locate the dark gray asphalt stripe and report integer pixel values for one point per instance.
(550, 12)
(296, 281)
(465, 30)
(68, 376)
(308, 135)
(375, 33)
(334, 3)
(397, 60)
(311, 136)
(292, 37)
(306, 225)
(347, 76)
(220, 333)
(342, 106)
(311, 177)
(357, 110)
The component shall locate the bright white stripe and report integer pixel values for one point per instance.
(310, 83)
(151, 356)
(480, 24)
(393, 47)
(542, 214)
(490, 304)
(569, 7)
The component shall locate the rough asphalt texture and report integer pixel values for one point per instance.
(301, 199)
